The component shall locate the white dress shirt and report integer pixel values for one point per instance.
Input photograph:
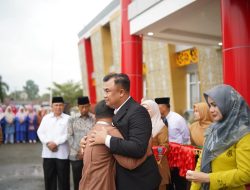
(177, 129)
(108, 137)
(54, 129)
(117, 109)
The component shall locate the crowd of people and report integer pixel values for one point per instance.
(20, 124)
(114, 147)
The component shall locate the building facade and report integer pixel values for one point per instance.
(168, 48)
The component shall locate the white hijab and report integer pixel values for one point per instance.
(154, 112)
(21, 114)
(9, 115)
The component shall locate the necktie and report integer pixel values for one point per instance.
(165, 121)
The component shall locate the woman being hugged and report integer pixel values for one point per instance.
(225, 160)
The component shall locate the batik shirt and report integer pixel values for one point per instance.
(78, 127)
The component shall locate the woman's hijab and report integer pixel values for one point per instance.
(157, 123)
(9, 115)
(234, 125)
(198, 128)
(21, 115)
(31, 112)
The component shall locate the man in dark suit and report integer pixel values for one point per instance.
(134, 123)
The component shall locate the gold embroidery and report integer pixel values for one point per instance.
(229, 153)
(222, 185)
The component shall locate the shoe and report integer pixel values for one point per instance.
(30, 141)
(24, 141)
(34, 141)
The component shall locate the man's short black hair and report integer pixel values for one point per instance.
(103, 111)
(119, 79)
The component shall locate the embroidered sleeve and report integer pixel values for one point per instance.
(239, 176)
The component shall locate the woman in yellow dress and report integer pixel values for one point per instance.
(225, 159)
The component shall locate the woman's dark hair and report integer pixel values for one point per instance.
(119, 79)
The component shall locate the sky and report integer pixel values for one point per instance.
(38, 40)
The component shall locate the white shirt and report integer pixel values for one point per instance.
(177, 129)
(116, 110)
(108, 137)
(54, 129)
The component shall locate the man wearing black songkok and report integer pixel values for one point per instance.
(177, 132)
(79, 126)
(53, 135)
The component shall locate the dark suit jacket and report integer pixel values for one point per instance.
(134, 123)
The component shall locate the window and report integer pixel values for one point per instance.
(193, 89)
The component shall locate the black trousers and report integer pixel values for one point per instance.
(77, 166)
(177, 182)
(56, 169)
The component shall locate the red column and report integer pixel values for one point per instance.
(90, 70)
(131, 54)
(236, 45)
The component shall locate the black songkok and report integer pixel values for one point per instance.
(164, 100)
(57, 99)
(83, 100)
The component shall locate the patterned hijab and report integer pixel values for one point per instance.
(155, 114)
(234, 125)
(198, 128)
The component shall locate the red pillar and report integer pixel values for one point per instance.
(131, 54)
(90, 70)
(236, 45)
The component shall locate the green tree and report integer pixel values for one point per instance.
(3, 89)
(69, 91)
(45, 97)
(15, 95)
(31, 89)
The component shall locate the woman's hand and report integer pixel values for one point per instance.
(197, 177)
